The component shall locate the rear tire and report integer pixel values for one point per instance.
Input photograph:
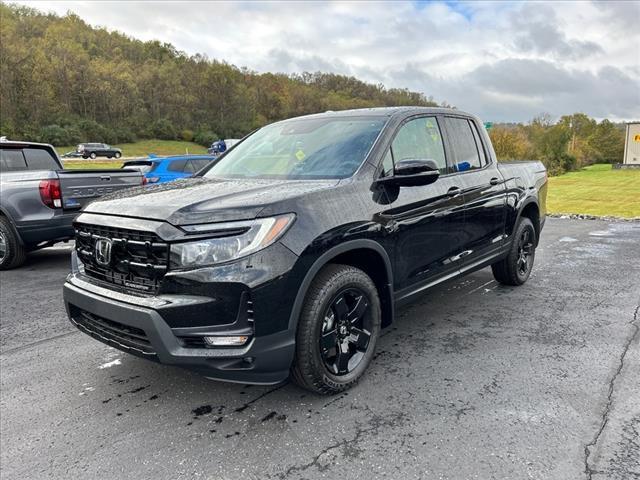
(516, 267)
(12, 252)
(337, 330)
(118, 155)
(93, 155)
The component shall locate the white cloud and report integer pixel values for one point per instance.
(506, 61)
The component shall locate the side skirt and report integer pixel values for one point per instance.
(409, 294)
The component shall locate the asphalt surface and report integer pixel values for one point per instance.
(474, 380)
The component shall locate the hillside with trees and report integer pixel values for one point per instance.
(65, 82)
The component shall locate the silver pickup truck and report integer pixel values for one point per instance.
(39, 200)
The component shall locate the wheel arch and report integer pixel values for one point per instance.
(4, 213)
(357, 253)
(531, 210)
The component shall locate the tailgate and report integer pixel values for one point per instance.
(79, 187)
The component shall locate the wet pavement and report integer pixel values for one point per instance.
(474, 380)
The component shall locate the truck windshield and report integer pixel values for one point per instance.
(311, 148)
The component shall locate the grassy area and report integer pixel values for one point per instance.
(90, 164)
(596, 190)
(145, 147)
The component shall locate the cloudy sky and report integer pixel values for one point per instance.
(506, 61)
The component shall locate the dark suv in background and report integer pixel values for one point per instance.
(289, 253)
(94, 150)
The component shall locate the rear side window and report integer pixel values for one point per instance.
(200, 164)
(12, 160)
(419, 139)
(463, 142)
(195, 165)
(40, 159)
(177, 166)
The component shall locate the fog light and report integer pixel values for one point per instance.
(226, 341)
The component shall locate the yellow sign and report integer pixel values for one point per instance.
(636, 138)
(300, 155)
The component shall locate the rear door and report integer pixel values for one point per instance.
(483, 189)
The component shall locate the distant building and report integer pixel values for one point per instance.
(632, 144)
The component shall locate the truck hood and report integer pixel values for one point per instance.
(200, 200)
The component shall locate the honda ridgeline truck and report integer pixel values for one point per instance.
(289, 253)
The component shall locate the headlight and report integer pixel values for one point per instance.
(232, 240)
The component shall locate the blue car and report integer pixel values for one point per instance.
(166, 169)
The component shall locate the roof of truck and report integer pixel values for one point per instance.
(6, 141)
(383, 112)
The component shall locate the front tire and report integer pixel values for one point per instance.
(12, 252)
(337, 331)
(516, 267)
(118, 155)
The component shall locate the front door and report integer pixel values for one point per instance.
(425, 221)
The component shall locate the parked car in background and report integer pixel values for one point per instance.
(221, 146)
(290, 252)
(94, 150)
(166, 169)
(39, 200)
(71, 154)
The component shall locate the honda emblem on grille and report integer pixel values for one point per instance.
(103, 251)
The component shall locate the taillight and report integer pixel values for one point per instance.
(144, 180)
(50, 193)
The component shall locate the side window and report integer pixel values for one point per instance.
(476, 137)
(12, 160)
(191, 167)
(40, 159)
(421, 139)
(200, 164)
(177, 166)
(387, 165)
(463, 143)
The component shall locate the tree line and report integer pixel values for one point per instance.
(572, 142)
(64, 82)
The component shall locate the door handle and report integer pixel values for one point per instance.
(454, 192)
(494, 181)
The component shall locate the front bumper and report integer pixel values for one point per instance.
(249, 297)
(141, 331)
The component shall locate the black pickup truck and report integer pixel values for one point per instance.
(290, 252)
(39, 200)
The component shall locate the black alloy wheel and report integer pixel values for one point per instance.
(337, 330)
(346, 331)
(525, 252)
(516, 267)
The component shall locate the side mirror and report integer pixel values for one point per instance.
(412, 173)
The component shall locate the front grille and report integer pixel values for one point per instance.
(138, 260)
(113, 333)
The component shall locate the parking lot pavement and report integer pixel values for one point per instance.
(474, 380)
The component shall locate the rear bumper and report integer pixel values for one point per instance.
(57, 228)
(143, 332)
